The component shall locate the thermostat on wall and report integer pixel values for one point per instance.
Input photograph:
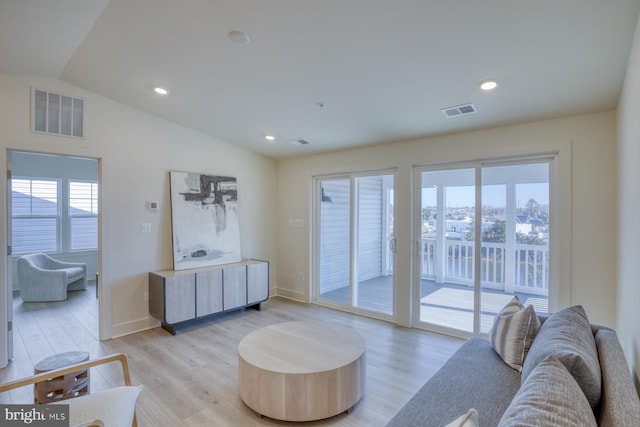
(152, 206)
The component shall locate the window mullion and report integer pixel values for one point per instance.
(63, 215)
(477, 251)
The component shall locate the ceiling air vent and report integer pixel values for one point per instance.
(57, 114)
(300, 141)
(459, 110)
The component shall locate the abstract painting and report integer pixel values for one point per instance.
(204, 219)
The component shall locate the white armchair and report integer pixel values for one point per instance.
(42, 278)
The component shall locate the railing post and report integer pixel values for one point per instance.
(441, 250)
(510, 240)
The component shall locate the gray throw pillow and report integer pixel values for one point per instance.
(513, 331)
(549, 397)
(567, 335)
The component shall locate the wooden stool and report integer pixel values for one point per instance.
(65, 386)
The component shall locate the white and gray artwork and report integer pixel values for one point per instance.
(204, 218)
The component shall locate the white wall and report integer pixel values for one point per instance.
(629, 209)
(136, 152)
(589, 184)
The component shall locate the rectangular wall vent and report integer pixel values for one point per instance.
(459, 110)
(57, 114)
(299, 141)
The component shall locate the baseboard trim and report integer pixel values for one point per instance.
(133, 326)
(292, 295)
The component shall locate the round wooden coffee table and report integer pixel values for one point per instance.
(301, 371)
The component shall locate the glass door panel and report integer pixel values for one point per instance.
(334, 241)
(447, 248)
(515, 238)
(356, 242)
(514, 243)
(374, 229)
(492, 252)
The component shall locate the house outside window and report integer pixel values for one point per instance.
(53, 215)
(34, 208)
(83, 215)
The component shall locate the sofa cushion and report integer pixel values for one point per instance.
(470, 419)
(549, 397)
(513, 331)
(474, 377)
(567, 335)
(619, 405)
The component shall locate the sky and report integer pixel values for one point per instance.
(492, 195)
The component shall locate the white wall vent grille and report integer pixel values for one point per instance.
(299, 141)
(57, 114)
(459, 110)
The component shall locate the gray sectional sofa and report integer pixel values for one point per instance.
(476, 377)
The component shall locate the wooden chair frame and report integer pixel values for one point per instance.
(44, 376)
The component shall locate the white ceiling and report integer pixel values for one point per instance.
(382, 68)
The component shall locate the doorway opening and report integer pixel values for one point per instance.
(53, 209)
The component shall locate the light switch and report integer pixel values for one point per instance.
(145, 227)
(298, 223)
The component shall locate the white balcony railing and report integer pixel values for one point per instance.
(531, 265)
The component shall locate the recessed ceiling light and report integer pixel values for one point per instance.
(269, 137)
(160, 90)
(489, 84)
(238, 37)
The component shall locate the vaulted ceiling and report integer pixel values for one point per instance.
(336, 73)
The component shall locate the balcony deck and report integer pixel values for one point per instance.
(449, 305)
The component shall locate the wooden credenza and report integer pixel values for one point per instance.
(177, 297)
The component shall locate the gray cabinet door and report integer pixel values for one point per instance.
(257, 282)
(234, 285)
(208, 292)
(180, 298)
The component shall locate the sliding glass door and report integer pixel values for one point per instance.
(484, 237)
(447, 244)
(355, 244)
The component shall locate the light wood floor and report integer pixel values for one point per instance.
(191, 379)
